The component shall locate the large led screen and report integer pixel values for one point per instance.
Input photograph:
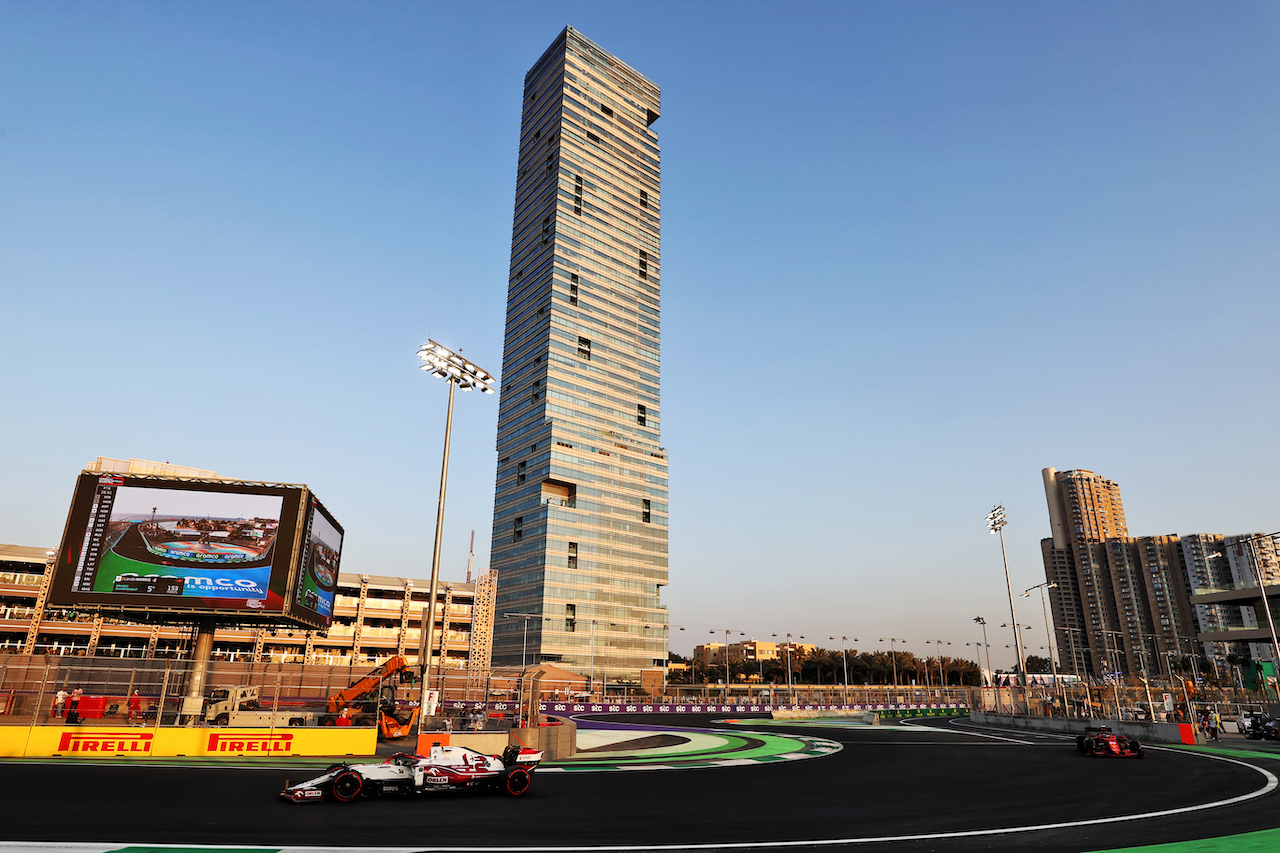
(318, 573)
(135, 542)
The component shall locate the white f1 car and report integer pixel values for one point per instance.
(447, 768)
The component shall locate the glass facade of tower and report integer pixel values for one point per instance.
(580, 506)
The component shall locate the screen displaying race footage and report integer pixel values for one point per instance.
(177, 543)
(321, 553)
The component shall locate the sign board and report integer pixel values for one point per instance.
(245, 551)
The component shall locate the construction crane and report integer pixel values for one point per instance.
(471, 555)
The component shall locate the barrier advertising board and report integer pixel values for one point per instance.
(138, 742)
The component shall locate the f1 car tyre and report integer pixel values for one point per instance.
(346, 786)
(517, 781)
(1080, 743)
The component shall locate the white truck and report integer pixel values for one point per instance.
(240, 706)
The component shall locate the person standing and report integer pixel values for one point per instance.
(1215, 722)
(59, 700)
(73, 706)
(135, 705)
(344, 718)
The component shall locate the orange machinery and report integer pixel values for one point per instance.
(375, 693)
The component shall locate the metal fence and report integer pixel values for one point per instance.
(129, 691)
(1160, 702)
(112, 691)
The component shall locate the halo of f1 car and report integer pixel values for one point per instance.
(1104, 742)
(447, 768)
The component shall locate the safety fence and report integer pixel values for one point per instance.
(1157, 702)
(161, 692)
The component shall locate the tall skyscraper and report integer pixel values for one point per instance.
(580, 507)
(1084, 511)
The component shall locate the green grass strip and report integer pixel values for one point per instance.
(1226, 751)
(1265, 841)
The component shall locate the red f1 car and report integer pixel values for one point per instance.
(1103, 741)
(447, 768)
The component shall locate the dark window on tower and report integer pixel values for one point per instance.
(584, 348)
(517, 529)
(571, 618)
(645, 514)
(535, 393)
(546, 229)
(520, 475)
(573, 555)
(593, 137)
(644, 264)
(577, 195)
(573, 294)
(641, 414)
(644, 198)
(606, 110)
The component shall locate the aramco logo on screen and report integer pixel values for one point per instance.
(112, 743)
(250, 743)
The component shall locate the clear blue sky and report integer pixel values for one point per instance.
(912, 254)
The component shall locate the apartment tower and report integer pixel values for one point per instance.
(580, 506)
(1084, 511)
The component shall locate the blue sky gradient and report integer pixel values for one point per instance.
(912, 254)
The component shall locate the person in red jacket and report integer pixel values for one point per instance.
(135, 705)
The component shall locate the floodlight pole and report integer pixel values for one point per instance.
(426, 633)
(995, 524)
(455, 370)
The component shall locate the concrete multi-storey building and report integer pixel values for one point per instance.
(1084, 511)
(1205, 562)
(374, 618)
(580, 508)
(1251, 556)
(1132, 604)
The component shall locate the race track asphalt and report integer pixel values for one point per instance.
(886, 782)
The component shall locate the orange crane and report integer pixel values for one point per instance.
(372, 694)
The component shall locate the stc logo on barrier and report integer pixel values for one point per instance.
(250, 743)
(106, 742)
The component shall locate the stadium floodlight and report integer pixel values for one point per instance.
(450, 366)
(443, 362)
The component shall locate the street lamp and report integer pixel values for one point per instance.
(893, 655)
(939, 643)
(1053, 663)
(845, 654)
(790, 689)
(995, 524)
(459, 373)
(991, 673)
(525, 644)
(593, 655)
(727, 676)
(666, 651)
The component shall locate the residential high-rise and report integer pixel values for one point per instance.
(580, 507)
(1125, 604)
(1084, 511)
